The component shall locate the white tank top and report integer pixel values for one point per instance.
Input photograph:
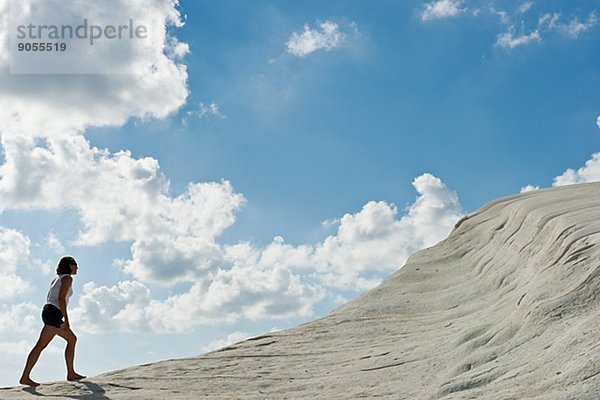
(52, 297)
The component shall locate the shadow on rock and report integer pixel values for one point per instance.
(97, 392)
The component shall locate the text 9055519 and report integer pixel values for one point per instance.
(43, 46)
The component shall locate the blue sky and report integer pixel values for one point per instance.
(336, 129)
(284, 159)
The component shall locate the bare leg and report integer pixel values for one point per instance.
(46, 336)
(69, 336)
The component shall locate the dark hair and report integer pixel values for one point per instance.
(64, 265)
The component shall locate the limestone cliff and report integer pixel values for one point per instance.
(507, 307)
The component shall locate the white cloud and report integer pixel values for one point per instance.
(54, 243)
(548, 21)
(504, 17)
(175, 49)
(367, 245)
(211, 109)
(232, 338)
(120, 307)
(441, 9)
(523, 28)
(50, 104)
(120, 198)
(204, 111)
(226, 298)
(526, 6)
(23, 347)
(529, 188)
(15, 348)
(373, 241)
(509, 40)
(575, 27)
(329, 37)
(279, 280)
(588, 173)
(46, 267)
(253, 290)
(598, 121)
(14, 253)
(331, 223)
(19, 318)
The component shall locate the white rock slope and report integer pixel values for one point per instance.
(507, 307)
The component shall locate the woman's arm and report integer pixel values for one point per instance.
(67, 281)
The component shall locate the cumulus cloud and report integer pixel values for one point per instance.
(279, 280)
(54, 243)
(232, 338)
(50, 104)
(174, 237)
(120, 307)
(588, 173)
(46, 267)
(510, 40)
(230, 296)
(19, 318)
(120, 198)
(167, 259)
(15, 348)
(374, 240)
(440, 9)
(369, 244)
(175, 49)
(254, 290)
(529, 188)
(14, 252)
(598, 121)
(327, 38)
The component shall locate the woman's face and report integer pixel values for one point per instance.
(73, 268)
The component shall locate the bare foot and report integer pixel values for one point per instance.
(28, 382)
(74, 377)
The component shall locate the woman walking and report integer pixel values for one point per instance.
(52, 314)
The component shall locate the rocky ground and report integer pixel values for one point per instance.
(507, 307)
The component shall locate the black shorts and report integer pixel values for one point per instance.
(51, 315)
